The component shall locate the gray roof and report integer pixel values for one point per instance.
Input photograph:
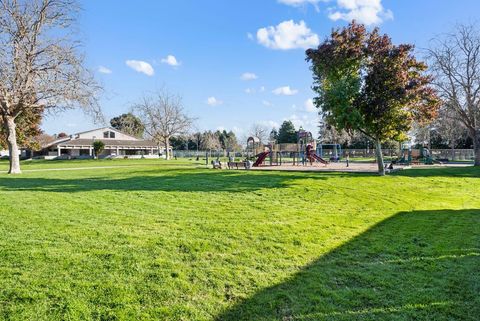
(110, 142)
(103, 128)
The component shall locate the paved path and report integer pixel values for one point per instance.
(79, 168)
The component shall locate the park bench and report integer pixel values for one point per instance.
(232, 165)
(216, 164)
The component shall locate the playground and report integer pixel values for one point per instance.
(309, 154)
(354, 167)
(302, 153)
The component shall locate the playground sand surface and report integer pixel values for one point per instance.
(332, 167)
(342, 167)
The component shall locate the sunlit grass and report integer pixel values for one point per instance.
(157, 240)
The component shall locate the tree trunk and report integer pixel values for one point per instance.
(378, 153)
(453, 150)
(476, 147)
(167, 148)
(14, 158)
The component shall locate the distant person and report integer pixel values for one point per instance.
(348, 159)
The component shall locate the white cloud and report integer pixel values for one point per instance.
(104, 70)
(297, 3)
(248, 76)
(171, 60)
(309, 106)
(250, 36)
(369, 12)
(269, 123)
(141, 66)
(287, 35)
(285, 91)
(267, 103)
(260, 89)
(212, 101)
(237, 130)
(305, 121)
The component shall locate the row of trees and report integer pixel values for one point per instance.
(207, 140)
(443, 133)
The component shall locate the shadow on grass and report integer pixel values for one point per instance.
(159, 180)
(192, 180)
(467, 171)
(421, 265)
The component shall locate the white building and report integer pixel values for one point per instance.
(117, 144)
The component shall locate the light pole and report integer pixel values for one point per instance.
(93, 146)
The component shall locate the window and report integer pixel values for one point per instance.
(108, 134)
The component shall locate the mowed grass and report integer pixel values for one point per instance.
(157, 240)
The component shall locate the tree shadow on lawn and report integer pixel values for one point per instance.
(420, 265)
(193, 180)
(164, 180)
(467, 171)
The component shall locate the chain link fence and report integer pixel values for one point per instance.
(440, 154)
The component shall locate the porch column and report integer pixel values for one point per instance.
(118, 151)
(90, 151)
(59, 151)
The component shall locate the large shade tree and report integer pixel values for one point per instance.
(41, 69)
(366, 83)
(455, 64)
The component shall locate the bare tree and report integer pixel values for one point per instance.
(163, 116)
(455, 63)
(449, 127)
(41, 69)
(422, 134)
(328, 134)
(260, 131)
(210, 141)
(43, 139)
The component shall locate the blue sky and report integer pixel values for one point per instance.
(235, 62)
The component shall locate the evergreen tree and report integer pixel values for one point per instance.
(128, 124)
(274, 135)
(287, 133)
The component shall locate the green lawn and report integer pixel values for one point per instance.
(157, 240)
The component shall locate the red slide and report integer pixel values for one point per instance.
(312, 157)
(319, 159)
(260, 159)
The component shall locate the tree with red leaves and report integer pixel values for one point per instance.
(366, 83)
